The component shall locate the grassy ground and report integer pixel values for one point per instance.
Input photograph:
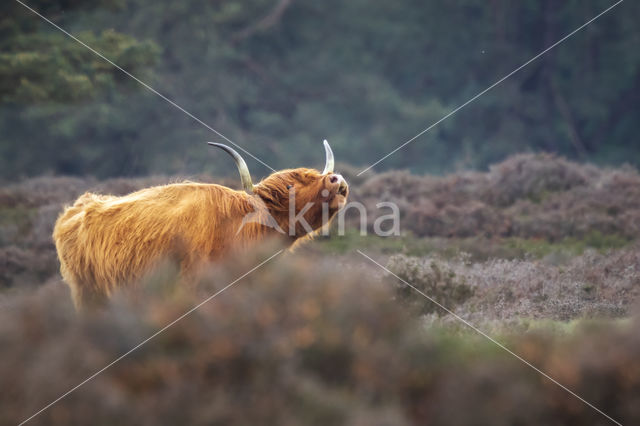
(478, 248)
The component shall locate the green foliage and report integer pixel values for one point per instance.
(278, 77)
(477, 248)
(50, 68)
(41, 65)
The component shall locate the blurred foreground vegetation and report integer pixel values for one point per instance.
(304, 340)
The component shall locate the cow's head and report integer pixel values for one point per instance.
(318, 195)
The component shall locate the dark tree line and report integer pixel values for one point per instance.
(279, 76)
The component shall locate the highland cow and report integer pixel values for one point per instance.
(105, 242)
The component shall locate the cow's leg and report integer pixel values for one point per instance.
(86, 298)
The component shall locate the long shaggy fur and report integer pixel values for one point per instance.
(104, 241)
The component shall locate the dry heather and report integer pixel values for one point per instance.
(530, 196)
(592, 285)
(300, 341)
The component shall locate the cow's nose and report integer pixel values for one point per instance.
(336, 178)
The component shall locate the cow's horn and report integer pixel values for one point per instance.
(328, 167)
(245, 176)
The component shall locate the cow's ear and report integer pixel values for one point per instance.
(278, 196)
(271, 197)
(267, 198)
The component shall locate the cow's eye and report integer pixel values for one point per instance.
(289, 186)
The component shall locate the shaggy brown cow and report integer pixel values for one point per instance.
(104, 241)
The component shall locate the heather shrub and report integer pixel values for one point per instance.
(44, 190)
(533, 176)
(299, 341)
(528, 196)
(433, 206)
(433, 278)
(592, 285)
(611, 205)
(54, 190)
(20, 267)
(286, 345)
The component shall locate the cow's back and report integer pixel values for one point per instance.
(105, 241)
